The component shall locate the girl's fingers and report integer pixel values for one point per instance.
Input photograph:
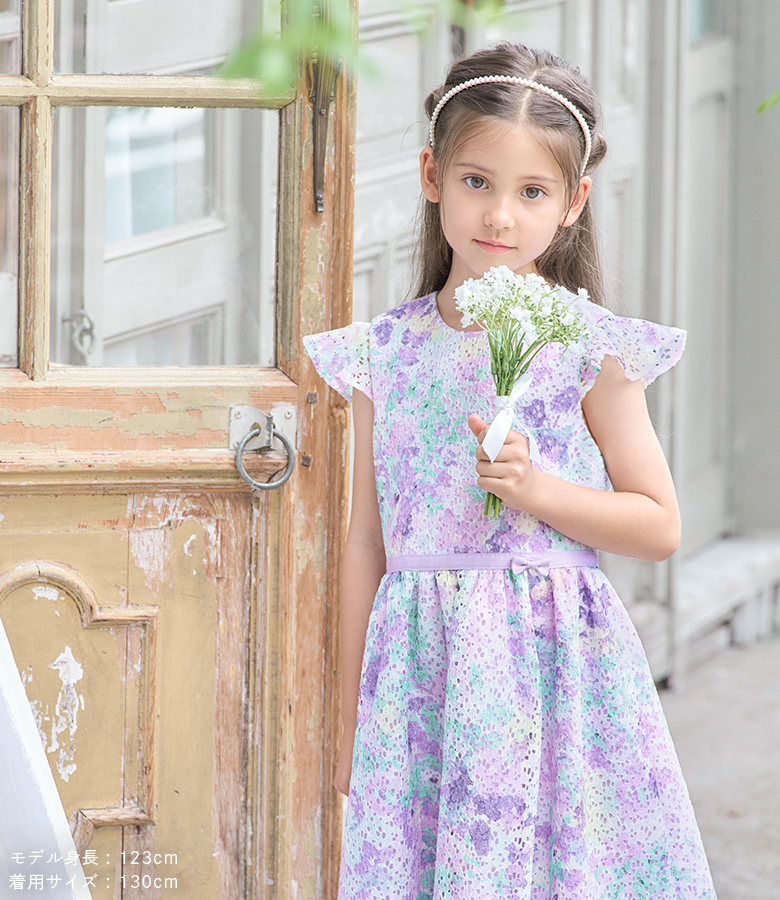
(491, 485)
(487, 469)
(478, 427)
(515, 449)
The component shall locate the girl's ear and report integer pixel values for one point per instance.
(430, 187)
(580, 198)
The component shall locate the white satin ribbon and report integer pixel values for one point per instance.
(502, 422)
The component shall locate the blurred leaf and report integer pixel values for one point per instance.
(275, 58)
(764, 105)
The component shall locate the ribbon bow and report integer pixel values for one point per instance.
(499, 428)
(520, 564)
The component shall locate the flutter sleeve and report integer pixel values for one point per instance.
(341, 358)
(644, 350)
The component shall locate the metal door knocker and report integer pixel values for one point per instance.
(255, 427)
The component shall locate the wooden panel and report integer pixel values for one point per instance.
(140, 90)
(103, 410)
(35, 231)
(300, 542)
(189, 554)
(139, 666)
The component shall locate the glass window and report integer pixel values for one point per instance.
(163, 236)
(152, 36)
(707, 19)
(9, 234)
(10, 38)
(158, 169)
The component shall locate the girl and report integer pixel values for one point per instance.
(505, 739)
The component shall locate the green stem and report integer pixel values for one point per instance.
(493, 506)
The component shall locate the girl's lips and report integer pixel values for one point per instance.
(492, 247)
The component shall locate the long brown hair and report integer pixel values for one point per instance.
(572, 259)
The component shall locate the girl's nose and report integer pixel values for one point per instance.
(500, 214)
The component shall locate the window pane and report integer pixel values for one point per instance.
(157, 170)
(163, 233)
(706, 19)
(10, 38)
(153, 36)
(9, 234)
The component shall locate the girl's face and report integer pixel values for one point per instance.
(501, 201)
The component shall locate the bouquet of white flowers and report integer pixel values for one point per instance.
(521, 314)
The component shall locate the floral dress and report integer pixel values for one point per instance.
(510, 742)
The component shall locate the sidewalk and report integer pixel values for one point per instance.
(726, 726)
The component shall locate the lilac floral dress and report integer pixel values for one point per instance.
(510, 742)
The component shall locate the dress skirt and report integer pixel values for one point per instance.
(511, 744)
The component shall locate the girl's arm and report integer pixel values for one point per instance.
(639, 519)
(362, 568)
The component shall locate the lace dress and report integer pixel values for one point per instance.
(510, 742)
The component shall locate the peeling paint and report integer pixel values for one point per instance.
(67, 708)
(188, 546)
(313, 726)
(211, 551)
(150, 548)
(310, 839)
(310, 304)
(302, 549)
(319, 543)
(45, 592)
(40, 714)
(304, 552)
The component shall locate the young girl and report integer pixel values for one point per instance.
(504, 739)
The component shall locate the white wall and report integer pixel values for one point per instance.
(756, 310)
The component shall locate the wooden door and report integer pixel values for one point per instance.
(173, 630)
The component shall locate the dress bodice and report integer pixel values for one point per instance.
(425, 378)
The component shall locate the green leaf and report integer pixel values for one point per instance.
(768, 103)
(275, 58)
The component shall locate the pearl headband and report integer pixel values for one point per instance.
(526, 82)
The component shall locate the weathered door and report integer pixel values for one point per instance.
(172, 629)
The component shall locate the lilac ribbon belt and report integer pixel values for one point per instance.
(517, 562)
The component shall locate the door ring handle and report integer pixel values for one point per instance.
(285, 476)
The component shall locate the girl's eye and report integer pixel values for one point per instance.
(533, 193)
(474, 181)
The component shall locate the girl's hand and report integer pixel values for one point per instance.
(344, 765)
(512, 476)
